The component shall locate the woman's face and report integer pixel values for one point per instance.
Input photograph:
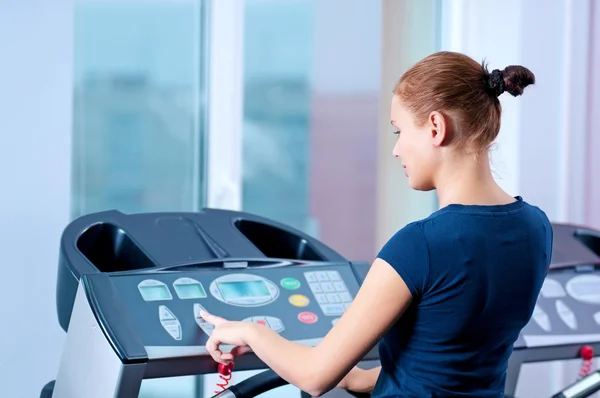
(415, 147)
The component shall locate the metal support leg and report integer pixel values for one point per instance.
(89, 366)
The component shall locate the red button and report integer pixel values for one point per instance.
(307, 317)
(261, 322)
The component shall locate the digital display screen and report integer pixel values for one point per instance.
(154, 293)
(236, 290)
(190, 291)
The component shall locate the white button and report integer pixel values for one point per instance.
(345, 297)
(334, 276)
(322, 276)
(566, 314)
(173, 328)
(164, 313)
(321, 298)
(552, 289)
(597, 317)
(334, 321)
(333, 309)
(333, 298)
(316, 288)
(327, 287)
(275, 324)
(197, 308)
(310, 277)
(207, 327)
(347, 305)
(541, 318)
(339, 286)
(585, 288)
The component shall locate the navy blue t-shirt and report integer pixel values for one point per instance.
(475, 273)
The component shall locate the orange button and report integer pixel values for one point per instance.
(307, 317)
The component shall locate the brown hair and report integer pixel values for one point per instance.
(464, 91)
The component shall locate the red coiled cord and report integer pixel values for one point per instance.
(587, 354)
(225, 375)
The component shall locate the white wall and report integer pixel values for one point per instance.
(35, 159)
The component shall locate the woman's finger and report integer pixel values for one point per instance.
(240, 350)
(212, 346)
(210, 318)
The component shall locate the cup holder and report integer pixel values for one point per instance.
(110, 249)
(590, 239)
(275, 242)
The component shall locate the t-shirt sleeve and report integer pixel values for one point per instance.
(408, 254)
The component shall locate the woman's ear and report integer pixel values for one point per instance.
(438, 128)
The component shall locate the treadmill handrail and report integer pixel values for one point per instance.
(261, 383)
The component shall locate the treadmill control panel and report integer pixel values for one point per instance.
(302, 303)
(567, 310)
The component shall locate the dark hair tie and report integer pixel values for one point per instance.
(496, 82)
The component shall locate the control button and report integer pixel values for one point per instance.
(322, 276)
(340, 287)
(334, 276)
(333, 298)
(552, 289)
(268, 321)
(597, 317)
(541, 318)
(299, 300)
(214, 290)
(347, 305)
(334, 321)
(321, 298)
(164, 313)
(153, 290)
(188, 288)
(566, 314)
(197, 308)
(333, 309)
(207, 327)
(275, 324)
(307, 317)
(327, 287)
(173, 328)
(585, 288)
(345, 297)
(316, 288)
(290, 283)
(310, 277)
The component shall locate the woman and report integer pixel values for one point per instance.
(446, 296)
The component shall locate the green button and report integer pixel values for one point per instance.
(290, 283)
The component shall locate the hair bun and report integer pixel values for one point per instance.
(516, 78)
(513, 79)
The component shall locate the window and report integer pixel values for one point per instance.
(139, 116)
(138, 105)
(311, 113)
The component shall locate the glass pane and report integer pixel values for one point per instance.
(138, 116)
(311, 113)
(137, 105)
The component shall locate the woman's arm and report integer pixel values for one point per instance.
(359, 380)
(381, 300)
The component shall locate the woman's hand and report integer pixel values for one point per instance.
(230, 333)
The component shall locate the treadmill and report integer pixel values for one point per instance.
(130, 288)
(566, 317)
